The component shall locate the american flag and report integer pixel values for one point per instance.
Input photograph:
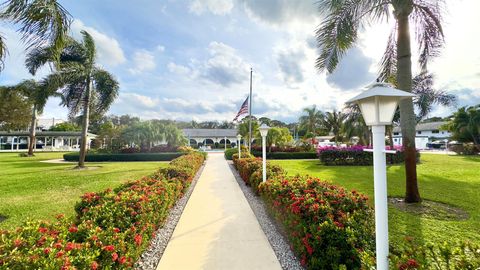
(243, 110)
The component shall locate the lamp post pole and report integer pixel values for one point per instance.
(239, 137)
(263, 132)
(381, 201)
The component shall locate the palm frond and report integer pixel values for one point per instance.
(89, 45)
(3, 52)
(388, 64)
(38, 57)
(427, 17)
(106, 86)
(42, 21)
(338, 31)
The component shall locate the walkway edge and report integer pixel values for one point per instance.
(275, 234)
(150, 259)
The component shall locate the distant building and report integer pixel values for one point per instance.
(425, 134)
(47, 123)
(45, 140)
(206, 136)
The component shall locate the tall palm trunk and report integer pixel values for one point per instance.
(33, 127)
(86, 118)
(407, 115)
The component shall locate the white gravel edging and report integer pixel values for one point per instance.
(152, 255)
(280, 245)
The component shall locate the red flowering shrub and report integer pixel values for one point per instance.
(273, 172)
(327, 225)
(247, 166)
(111, 230)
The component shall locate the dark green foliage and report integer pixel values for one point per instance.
(97, 157)
(288, 155)
(356, 158)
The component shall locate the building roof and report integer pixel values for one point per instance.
(47, 123)
(424, 126)
(209, 133)
(46, 133)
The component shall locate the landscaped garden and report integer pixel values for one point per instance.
(37, 190)
(452, 180)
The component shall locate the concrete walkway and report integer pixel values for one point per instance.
(217, 229)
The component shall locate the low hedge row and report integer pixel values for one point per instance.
(111, 228)
(100, 157)
(327, 226)
(287, 155)
(354, 156)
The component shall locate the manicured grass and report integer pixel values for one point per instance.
(454, 180)
(33, 189)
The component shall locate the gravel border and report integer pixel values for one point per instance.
(274, 233)
(151, 257)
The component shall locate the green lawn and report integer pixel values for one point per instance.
(33, 189)
(454, 180)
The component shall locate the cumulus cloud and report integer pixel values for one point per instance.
(280, 11)
(290, 65)
(217, 7)
(109, 51)
(178, 69)
(143, 60)
(353, 71)
(225, 66)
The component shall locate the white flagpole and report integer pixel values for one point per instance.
(250, 114)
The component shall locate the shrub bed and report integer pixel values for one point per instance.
(354, 156)
(100, 157)
(327, 226)
(287, 155)
(111, 228)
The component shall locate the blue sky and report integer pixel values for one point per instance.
(190, 59)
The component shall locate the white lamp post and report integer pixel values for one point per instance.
(239, 137)
(378, 104)
(263, 132)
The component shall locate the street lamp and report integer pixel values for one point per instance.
(239, 137)
(378, 104)
(263, 132)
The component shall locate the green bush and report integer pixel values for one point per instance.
(100, 157)
(229, 152)
(288, 155)
(111, 229)
(346, 157)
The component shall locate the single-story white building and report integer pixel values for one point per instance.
(206, 136)
(45, 140)
(426, 133)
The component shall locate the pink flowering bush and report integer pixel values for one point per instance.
(111, 228)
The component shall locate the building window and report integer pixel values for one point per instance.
(436, 131)
(395, 133)
(419, 132)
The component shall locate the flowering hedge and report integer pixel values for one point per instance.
(327, 226)
(111, 228)
(354, 156)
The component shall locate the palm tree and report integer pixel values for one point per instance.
(39, 21)
(38, 94)
(339, 32)
(333, 122)
(85, 86)
(465, 125)
(312, 120)
(354, 125)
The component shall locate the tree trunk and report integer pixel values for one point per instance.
(407, 114)
(86, 117)
(33, 127)
(390, 136)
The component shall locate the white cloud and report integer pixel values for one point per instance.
(160, 48)
(109, 51)
(143, 60)
(178, 69)
(217, 7)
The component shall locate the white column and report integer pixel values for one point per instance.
(225, 141)
(13, 139)
(264, 159)
(381, 201)
(238, 146)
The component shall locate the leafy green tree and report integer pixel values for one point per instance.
(354, 125)
(38, 93)
(465, 125)
(278, 136)
(334, 122)
(338, 32)
(174, 136)
(15, 109)
(312, 121)
(65, 126)
(85, 86)
(243, 129)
